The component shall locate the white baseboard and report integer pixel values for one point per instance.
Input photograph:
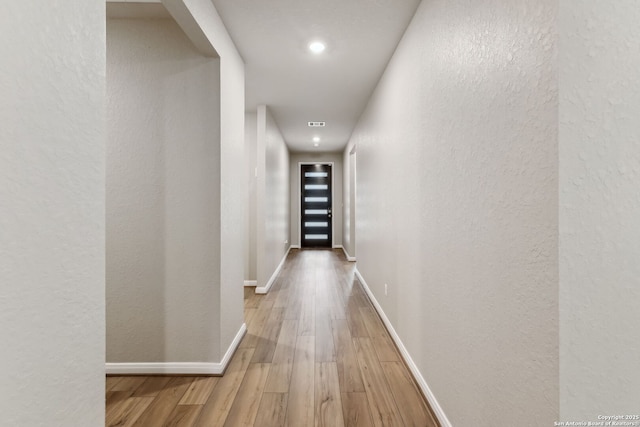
(294, 247)
(251, 283)
(349, 257)
(233, 347)
(178, 368)
(264, 289)
(337, 247)
(433, 402)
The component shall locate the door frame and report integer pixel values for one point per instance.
(299, 219)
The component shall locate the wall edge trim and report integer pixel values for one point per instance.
(264, 289)
(251, 283)
(422, 383)
(179, 368)
(349, 257)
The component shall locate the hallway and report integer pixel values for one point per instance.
(315, 353)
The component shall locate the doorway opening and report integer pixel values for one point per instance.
(349, 240)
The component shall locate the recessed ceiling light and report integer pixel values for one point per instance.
(316, 139)
(316, 144)
(317, 47)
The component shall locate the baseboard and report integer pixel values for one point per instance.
(349, 257)
(231, 350)
(251, 283)
(264, 289)
(338, 247)
(179, 368)
(294, 247)
(424, 387)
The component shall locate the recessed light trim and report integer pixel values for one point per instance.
(315, 144)
(317, 47)
(316, 139)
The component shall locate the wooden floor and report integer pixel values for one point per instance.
(315, 354)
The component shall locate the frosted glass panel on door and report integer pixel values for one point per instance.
(316, 199)
(316, 187)
(316, 224)
(316, 211)
(316, 174)
(316, 236)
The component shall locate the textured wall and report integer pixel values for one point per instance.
(163, 196)
(52, 213)
(457, 206)
(599, 209)
(296, 159)
(272, 197)
(233, 189)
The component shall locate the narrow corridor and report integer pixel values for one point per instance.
(315, 353)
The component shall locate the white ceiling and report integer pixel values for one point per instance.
(299, 86)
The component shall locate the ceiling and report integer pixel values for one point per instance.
(300, 86)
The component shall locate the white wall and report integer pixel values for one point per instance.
(200, 20)
(457, 201)
(272, 196)
(599, 209)
(163, 196)
(251, 154)
(337, 211)
(233, 188)
(52, 213)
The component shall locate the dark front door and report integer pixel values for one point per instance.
(315, 206)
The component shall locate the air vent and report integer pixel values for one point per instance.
(317, 124)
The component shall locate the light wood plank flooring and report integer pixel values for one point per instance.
(315, 354)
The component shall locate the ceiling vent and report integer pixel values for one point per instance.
(317, 124)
